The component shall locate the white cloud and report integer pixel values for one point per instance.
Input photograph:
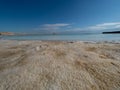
(98, 27)
(95, 28)
(118, 26)
(104, 26)
(56, 26)
(109, 24)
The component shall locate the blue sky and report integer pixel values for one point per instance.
(59, 15)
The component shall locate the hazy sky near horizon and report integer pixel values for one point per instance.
(59, 15)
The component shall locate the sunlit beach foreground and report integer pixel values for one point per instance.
(63, 65)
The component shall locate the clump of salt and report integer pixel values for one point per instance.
(37, 48)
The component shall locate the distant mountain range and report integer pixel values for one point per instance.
(112, 32)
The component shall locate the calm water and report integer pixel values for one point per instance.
(82, 37)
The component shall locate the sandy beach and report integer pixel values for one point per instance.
(59, 65)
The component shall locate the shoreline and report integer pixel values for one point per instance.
(84, 41)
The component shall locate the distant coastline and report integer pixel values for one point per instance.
(113, 32)
(7, 33)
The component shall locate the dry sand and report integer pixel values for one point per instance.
(53, 65)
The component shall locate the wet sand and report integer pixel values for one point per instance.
(59, 65)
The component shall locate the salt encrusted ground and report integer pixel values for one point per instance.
(59, 65)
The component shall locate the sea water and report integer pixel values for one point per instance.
(81, 37)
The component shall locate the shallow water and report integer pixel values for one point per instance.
(82, 37)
